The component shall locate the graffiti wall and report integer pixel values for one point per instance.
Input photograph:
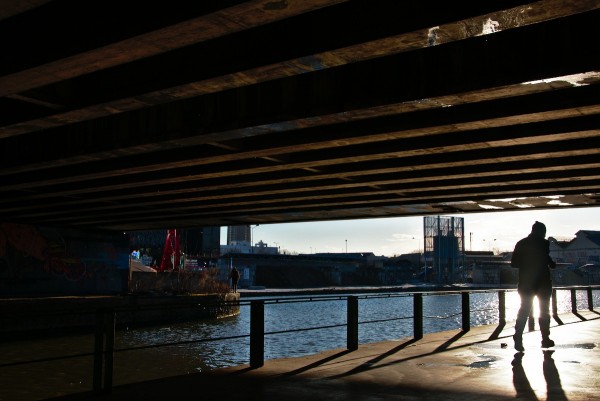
(43, 261)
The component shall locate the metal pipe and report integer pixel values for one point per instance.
(257, 333)
(502, 307)
(352, 323)
(466, 311)
(418, 316)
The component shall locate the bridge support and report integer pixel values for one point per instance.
(104, 347)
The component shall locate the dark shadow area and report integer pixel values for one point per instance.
(317, 363)
(368, 365)
(215, 386)
(242, 371)
(581, 317)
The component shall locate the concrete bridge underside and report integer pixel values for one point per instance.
(122, 117)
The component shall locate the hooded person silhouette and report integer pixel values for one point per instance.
(532, 257)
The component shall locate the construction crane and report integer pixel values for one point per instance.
(171, 256)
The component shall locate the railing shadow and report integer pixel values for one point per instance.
(317, 363)
(442, 348)
(368, 365)
(497, 331)
(452, 340)
(558, 320)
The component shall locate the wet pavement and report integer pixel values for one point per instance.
(480, 364)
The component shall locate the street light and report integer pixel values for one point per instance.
(490, 244)
(418, 251)
(346, 246)
(251, 237)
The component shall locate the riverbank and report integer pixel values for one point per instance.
(59, 315)
(413, 287)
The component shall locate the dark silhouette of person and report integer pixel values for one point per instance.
(532, 257)
(234, 275)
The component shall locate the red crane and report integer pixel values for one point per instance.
(171, 255)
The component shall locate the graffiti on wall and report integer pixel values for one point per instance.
(30, 253)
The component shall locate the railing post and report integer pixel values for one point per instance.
(109, 353)
(502, 307)
(418, 315)
(352, 323)
(98, 352)
(573, 300)
(104, 348)
(257, 333)
(466, 311)
(590, 297)
(554, 303)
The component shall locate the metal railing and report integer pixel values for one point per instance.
(105, 326)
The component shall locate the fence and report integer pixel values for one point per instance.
(106, 319)
(103, 355)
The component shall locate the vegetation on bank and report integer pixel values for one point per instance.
(179, 282)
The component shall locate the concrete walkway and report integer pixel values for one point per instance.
(480, 364)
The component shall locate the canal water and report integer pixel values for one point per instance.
(34, 370)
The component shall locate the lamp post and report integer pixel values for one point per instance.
(418, 252)
(346, 246)
(251, 237)
(490, 244)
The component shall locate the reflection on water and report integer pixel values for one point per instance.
(380, 319)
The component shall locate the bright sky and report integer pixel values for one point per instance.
(498, 231)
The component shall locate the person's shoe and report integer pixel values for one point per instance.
(547, 343)
(518, 343)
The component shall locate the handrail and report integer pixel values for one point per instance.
(106, 318)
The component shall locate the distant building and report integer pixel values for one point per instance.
(583, 249)
(202, 242)
(304, 271)
(238, 234)
(244, 247)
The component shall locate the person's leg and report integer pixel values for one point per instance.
(544, 297)
(522, 316)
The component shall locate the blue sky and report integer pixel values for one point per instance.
(498, 231)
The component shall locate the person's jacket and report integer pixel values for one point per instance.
(532, 257)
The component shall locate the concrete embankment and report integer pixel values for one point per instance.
(57, 315)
